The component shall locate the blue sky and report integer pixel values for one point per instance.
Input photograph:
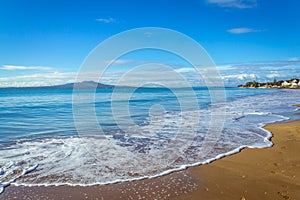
(45, 42)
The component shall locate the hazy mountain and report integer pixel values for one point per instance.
(83, 85)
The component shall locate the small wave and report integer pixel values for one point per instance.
(259, 113)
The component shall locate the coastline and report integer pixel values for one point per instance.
(268, 173)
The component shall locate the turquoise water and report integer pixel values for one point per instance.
(38, 134)
(38, 113)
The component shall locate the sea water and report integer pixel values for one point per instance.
(40, 143)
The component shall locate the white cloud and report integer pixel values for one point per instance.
(132, 63)
(38, 79)
(19, 67)
(241, 76)
(241, 4)
(106, 20)
(273, 75)
(260, 71)
(148, 34)
(158, 74)
(224, 67)
(294, 59)
(121, 62)
(233, 74)
(186, 70)
(243, 30)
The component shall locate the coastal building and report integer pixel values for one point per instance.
(286, 84)
(294, 81)
(294, 85)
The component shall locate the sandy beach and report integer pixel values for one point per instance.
(270, 173)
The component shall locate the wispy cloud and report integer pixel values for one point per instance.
(20, 67)
(186, 70)
(273, 74)
(243, 30)
(261, 71)
(20, 76)
(241, 4)
(232, 74)
(243, 76)
(106, 20)
(129, 63)
(121, 62)
(294, 59)
(38, 79)
(148, 34)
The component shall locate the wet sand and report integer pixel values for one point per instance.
(270, 173)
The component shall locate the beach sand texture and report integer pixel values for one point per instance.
(270, 173)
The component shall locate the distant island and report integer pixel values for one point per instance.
(289, 84)
(78, 85)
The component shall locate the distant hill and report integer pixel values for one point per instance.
(83, 85)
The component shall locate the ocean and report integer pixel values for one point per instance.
(147, 132)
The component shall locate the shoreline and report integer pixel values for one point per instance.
(249, 174)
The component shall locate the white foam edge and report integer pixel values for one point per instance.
(258, 113)
(25, 171)
(269, 134)
(182, 167)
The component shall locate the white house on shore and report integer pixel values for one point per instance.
(294, 85)
(286, 84)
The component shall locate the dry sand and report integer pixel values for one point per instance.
(255, 174)
(270, 173)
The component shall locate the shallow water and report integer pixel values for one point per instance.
(150, 134)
